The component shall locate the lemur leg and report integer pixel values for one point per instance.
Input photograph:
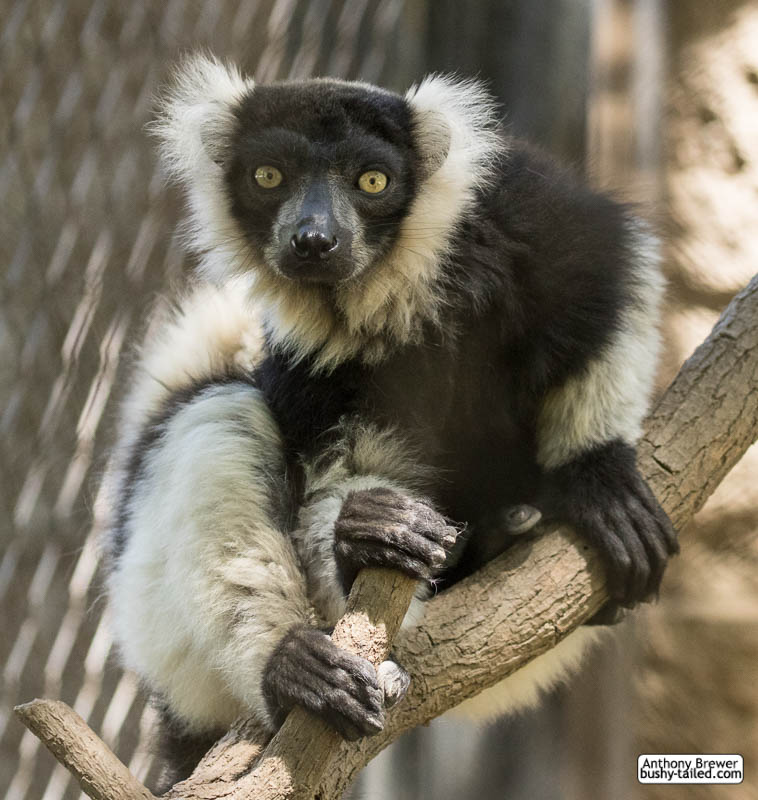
(207, 583)
(210, 602)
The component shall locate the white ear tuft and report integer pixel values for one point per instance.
(194, 124)
(456, 125)
(195, 115)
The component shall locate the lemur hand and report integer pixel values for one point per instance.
(606, 499)
(343, 689)
(384, 528)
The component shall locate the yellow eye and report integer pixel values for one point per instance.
(268, 177)
(373, 181)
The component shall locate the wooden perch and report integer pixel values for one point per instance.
(484, 628)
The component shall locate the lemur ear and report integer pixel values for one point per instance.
(195, 116)
(214, 135)
(456, 128)
(433, 135)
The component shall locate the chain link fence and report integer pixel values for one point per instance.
(87, 239)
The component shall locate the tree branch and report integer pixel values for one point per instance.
(68, 737)
(516, 608)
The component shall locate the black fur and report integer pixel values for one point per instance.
(313, 132)
(308, 406)
(178, 751)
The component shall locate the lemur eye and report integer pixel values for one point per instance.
(268, 177)
(373, 181)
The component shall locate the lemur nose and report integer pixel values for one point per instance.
(313, 244)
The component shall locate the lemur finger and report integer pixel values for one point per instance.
(650, 501)
(406, 542)
(615, 555)
(351, 674)
(378, 503)
(376, 555)
(345, 714)
(428, 523)
(648, 530)
(667, 530)
(638, 573)
(400, 537)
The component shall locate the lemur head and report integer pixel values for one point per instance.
(321, 174)
(340, 199)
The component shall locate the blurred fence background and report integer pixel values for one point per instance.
(661, 99)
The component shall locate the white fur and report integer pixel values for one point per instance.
(206, 586)
(209, 332)
(525, 687)
(194, 124)
(198, 523)
(610, 399)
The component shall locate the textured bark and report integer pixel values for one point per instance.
(516, 608)
(304, 747)
(68, 737)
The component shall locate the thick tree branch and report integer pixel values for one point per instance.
(516, 608)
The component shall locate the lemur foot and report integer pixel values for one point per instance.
(394, 681)
(343, 689)
(383, 528)
(606, 499)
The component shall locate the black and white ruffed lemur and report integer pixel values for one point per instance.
(406, 323)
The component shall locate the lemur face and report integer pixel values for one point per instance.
(319, 177)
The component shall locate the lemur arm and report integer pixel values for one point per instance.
(587, 429)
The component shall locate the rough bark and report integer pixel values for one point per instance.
(68, 737)
(516, 608)
(303, 748)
